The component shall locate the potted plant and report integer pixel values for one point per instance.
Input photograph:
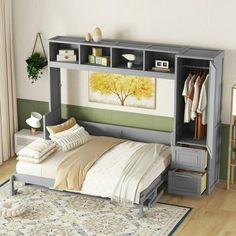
(35, 65)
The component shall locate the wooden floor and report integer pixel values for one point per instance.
(212, 215)
(7, 168)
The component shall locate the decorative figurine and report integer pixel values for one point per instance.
(97, 35)
(88, 37)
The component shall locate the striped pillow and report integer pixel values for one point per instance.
(72, 138)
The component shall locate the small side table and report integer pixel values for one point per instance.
(24, 137)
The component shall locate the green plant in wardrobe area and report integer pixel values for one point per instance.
(35, 65)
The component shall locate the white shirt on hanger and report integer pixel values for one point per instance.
(202, 104)
(195, 98)
(188, 103)
(185, 89)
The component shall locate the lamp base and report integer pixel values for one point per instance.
(129, 64)
(33, 131)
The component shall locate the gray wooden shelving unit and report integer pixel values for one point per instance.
(199, 159)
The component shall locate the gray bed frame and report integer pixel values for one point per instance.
(149, 196)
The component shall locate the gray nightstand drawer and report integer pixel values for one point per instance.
(186, 182)
(189, 158)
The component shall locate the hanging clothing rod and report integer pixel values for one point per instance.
(197, 67)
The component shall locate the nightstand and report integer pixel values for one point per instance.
(24, 137)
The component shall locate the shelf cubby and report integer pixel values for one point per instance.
(86, 50)
(54, 48)
(118, 61)
(152, 56)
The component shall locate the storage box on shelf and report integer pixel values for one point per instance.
(24, 137)
(99, 56)
(66, 55)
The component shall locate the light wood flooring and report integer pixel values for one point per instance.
(213, 214)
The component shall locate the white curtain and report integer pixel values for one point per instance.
(8, 109)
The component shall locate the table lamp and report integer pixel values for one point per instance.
(130, 58)
(34, 121)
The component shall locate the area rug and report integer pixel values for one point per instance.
(49, 212)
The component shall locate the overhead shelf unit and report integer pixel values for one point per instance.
(146, 54)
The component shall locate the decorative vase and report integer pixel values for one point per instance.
(88, 37)
(97, 35)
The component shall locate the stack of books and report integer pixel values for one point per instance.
(158, 69)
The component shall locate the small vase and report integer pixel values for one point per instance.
(88, 37)
(97, 35)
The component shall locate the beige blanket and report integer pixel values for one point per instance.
(72, 171)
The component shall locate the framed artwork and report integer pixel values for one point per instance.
(122, 90)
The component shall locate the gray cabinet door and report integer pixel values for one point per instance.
(210, 111)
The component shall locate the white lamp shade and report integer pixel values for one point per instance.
(34, 120)
(129, 57)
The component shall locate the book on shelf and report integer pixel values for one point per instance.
(157, 69)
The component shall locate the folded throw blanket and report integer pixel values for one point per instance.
(37, 148)
(135, 170)
(37, 160)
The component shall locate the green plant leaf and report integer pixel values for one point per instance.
(35, 65)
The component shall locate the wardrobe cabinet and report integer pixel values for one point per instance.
(195, 162)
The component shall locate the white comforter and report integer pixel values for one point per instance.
(103, 177)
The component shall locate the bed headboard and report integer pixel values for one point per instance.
(136, 134)
(100, 129)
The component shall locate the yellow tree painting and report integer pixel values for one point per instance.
(123, 90)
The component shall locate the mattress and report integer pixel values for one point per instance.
(104, 174)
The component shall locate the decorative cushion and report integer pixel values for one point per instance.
(71, 138)
(61, 127)
(10, 209)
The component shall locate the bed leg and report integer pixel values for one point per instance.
(141, 211)
(13, 190)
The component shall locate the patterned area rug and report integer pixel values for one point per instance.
(50, 212)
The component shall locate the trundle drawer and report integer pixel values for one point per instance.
(189, 158)
(186, 182)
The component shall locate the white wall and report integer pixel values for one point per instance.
(209, 24)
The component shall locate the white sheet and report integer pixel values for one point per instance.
(104, 175)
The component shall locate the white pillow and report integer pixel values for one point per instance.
(71, 138)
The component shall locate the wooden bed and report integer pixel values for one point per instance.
(148, 196)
